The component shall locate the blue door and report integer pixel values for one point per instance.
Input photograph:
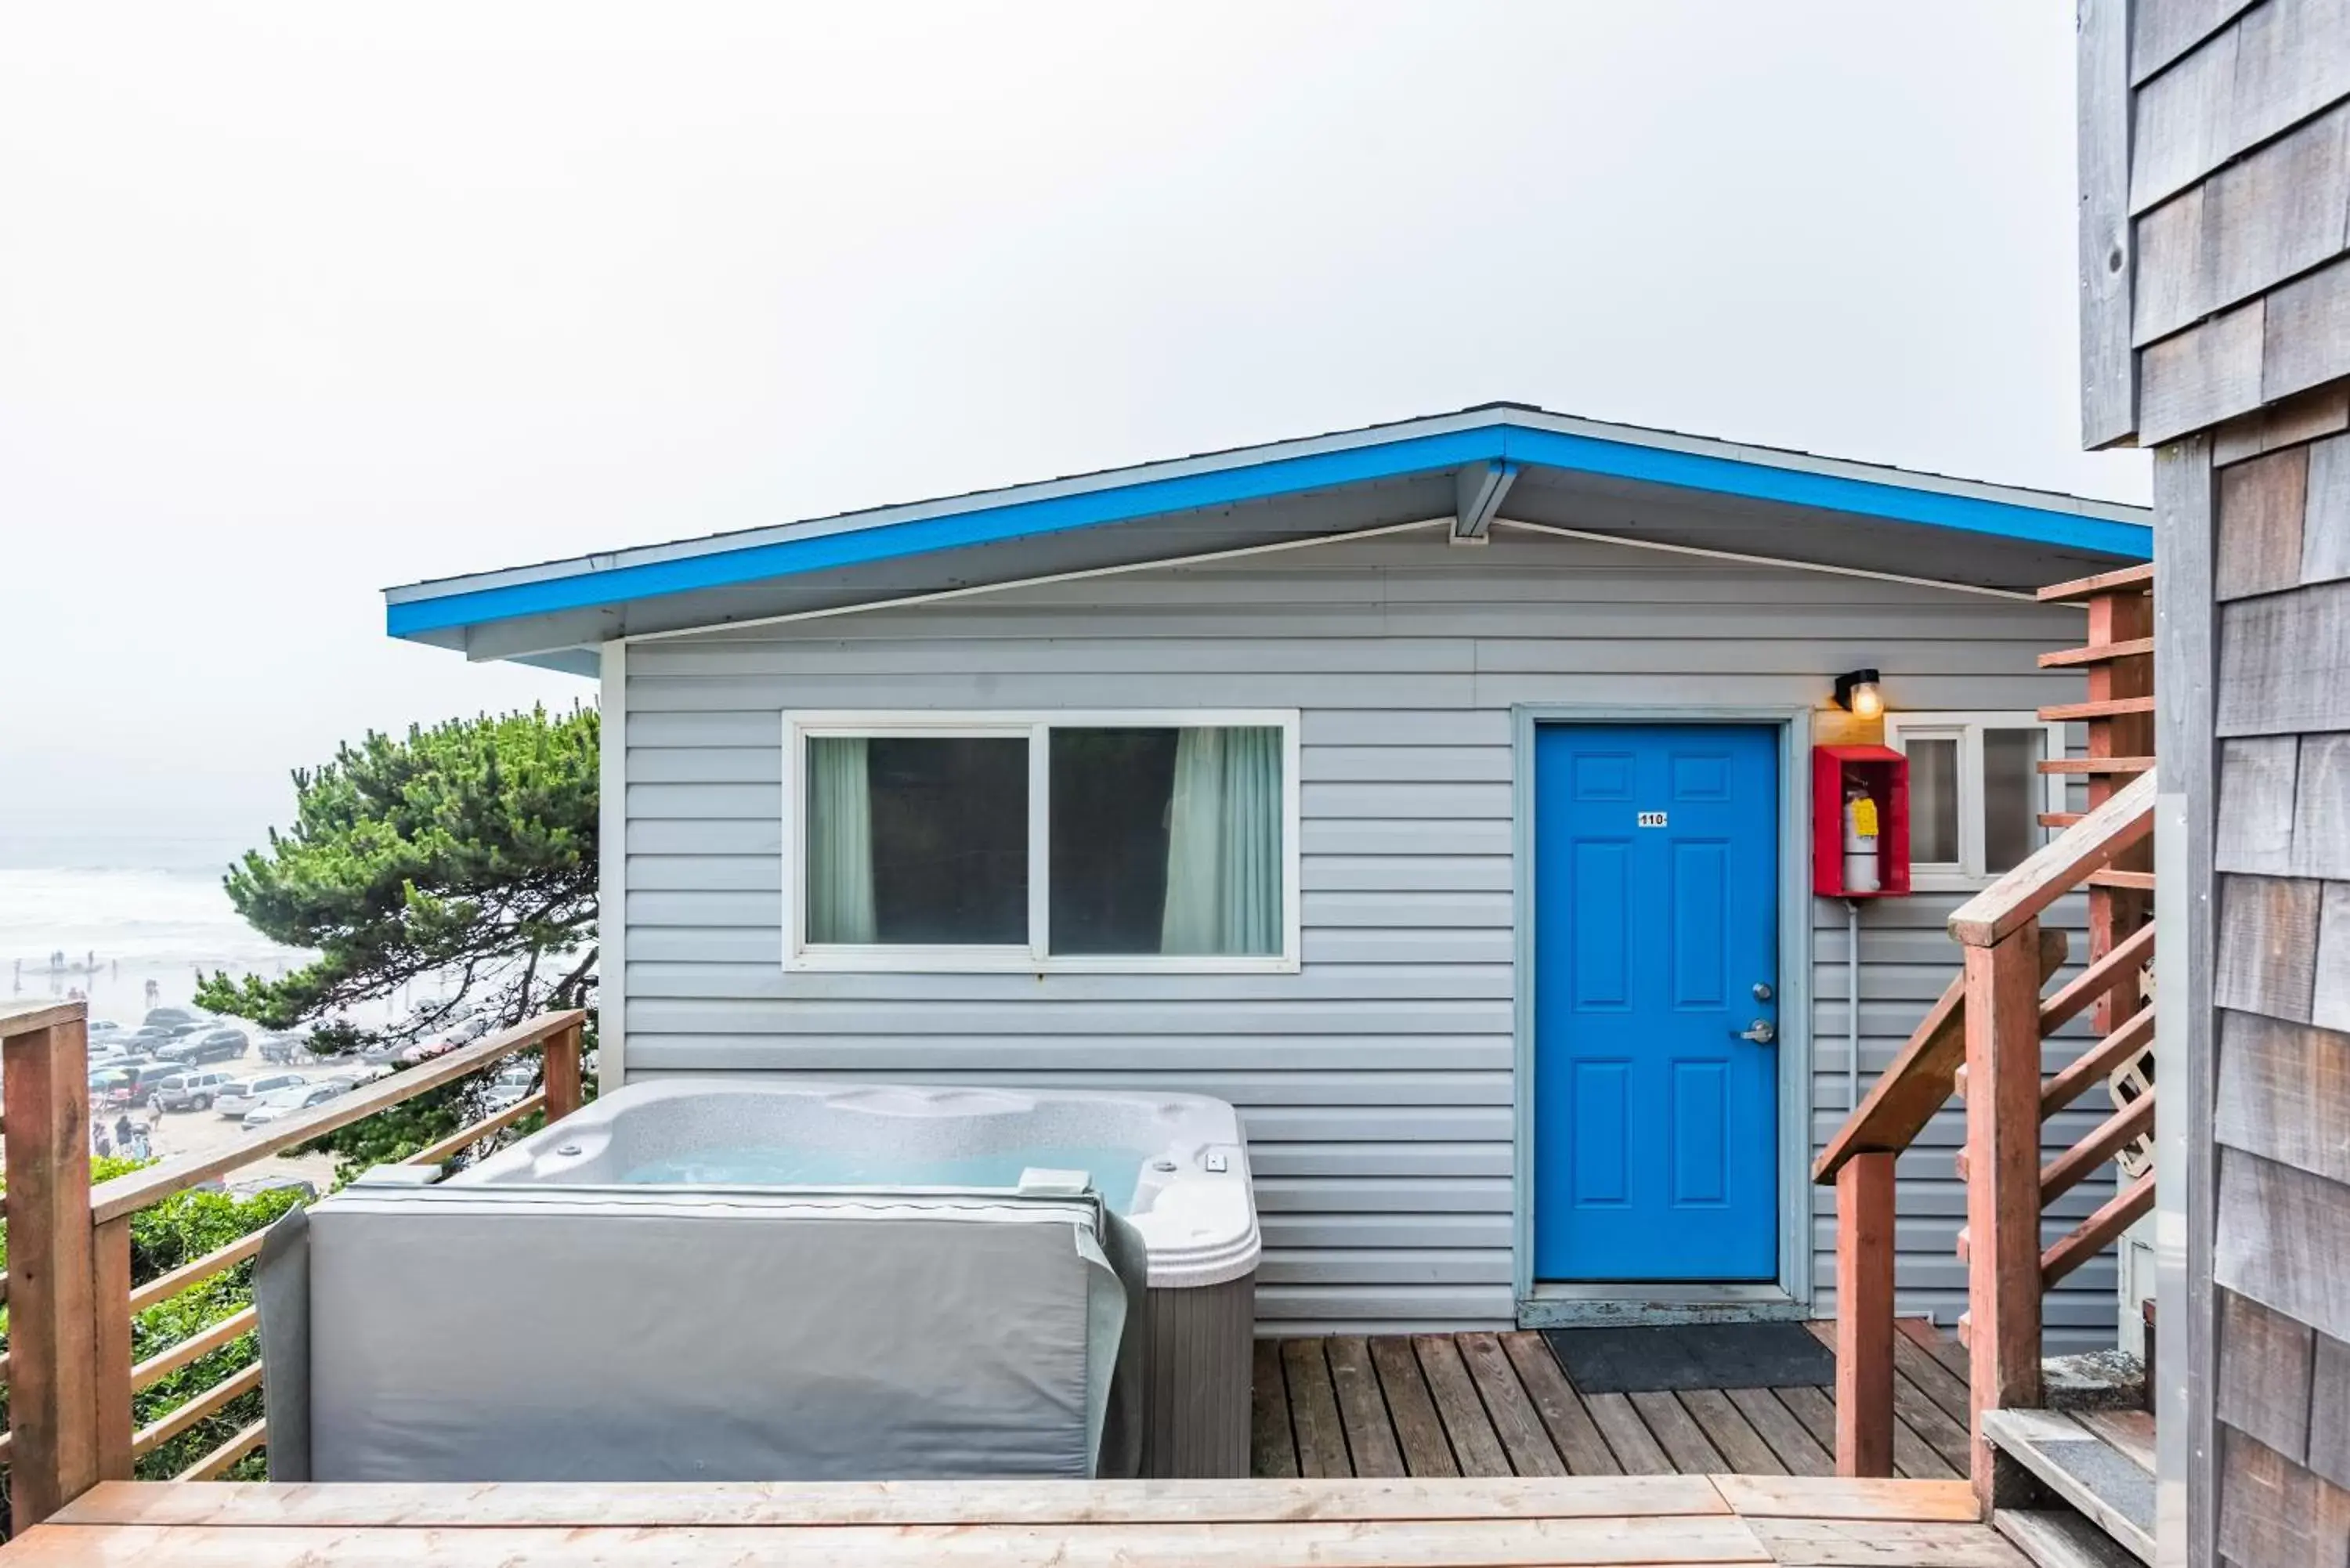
(1656, 956)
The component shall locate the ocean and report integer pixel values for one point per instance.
(107, 915)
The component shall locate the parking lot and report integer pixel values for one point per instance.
(207, 1131)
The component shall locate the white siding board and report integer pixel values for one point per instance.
(1377, 1082)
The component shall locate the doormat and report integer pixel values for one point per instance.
(1693, 1355)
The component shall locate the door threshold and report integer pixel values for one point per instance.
(1621, 1303)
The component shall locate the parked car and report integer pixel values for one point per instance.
(277, 1046)
(141, 1079)
(513, 1084)
(215, 1046)
(167, 1015)
(287, 1102)
(191, 1091)
(235, 1098)
(103, 1083)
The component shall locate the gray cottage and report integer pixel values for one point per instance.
(1440, 793)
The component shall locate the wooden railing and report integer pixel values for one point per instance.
(69, 1370)
(1984, 1039)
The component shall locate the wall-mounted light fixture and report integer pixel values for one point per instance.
(1857, 693)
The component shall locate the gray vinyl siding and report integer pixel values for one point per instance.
(1376, 1083)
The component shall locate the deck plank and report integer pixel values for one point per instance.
(1362, 1410)
(1692, 1453)
(1913, 1458)
(1926, 1442)
(1506, 1522)
(1475, 1445)
(1792, 1443)
(1572, 1431)
(1515, 1421)
(1314, 1409)
(1405, 1543)
(1273, 1450)
(1635, 1446)
(1419, 1431)
(1932, 1378)
(1947, 1438)
(654, 1505)
(1946, 1348)
(1841, 1497)
(1838, 1544)
(1732, 1436)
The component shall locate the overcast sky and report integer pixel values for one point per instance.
(299, 301)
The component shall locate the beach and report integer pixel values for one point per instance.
(106, 916)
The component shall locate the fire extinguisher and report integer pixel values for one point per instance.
(1860, 861)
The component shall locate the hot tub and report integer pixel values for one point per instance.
(1173, 1166)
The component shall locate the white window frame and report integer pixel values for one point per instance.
(1967, 873)
(1032, 956)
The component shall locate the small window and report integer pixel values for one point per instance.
(1976, 791)
(1075, 842)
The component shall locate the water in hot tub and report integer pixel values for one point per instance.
(1115, 1172)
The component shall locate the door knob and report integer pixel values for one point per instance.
(1760, 1032)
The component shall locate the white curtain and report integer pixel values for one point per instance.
(1224, 843)
(839, 850)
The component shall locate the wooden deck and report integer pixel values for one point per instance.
(1659, 1520)
(1501, 1405)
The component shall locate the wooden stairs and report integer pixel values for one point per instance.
(2087, 1481)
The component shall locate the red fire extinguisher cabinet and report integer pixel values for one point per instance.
(1884, 773)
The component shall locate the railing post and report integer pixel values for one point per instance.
(110, 1310)
(2002, 1189)
(1864, 1359)
(52, 1361)
(561, 1071)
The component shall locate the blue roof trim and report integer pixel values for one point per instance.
(1500, 441)
(985, 525)
(1830, 492)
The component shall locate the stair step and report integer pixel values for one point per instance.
(2104, 708)
(2128, 577)
(2097, 766)
(2097, 653)
(2111, 1489)
(2139, 881)
(2060, 818)
(2059, 1537)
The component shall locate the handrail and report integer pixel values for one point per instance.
(128, 1193)
(1987, 1030)
(1921, 1078)
(72, 1382)
(1986, 1038)
(2058, 866)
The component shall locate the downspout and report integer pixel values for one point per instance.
(1852, 1004)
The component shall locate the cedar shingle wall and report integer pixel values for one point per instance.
(2215, 222)
(2215, 303)
(2280, 1108)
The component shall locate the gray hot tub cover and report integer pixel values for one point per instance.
(469, 1335)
